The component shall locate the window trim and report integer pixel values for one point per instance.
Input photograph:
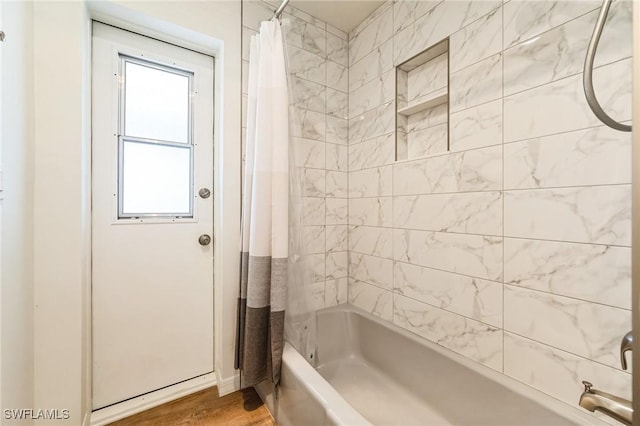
(140, 215)
(122, 137)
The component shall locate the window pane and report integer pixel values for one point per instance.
(156, 179)
(156, 104)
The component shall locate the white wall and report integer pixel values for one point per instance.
(17, 207)
(62, 190)
(61, 205)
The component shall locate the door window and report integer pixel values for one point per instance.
(155, 170)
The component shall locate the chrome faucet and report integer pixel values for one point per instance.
(625, 346)
(611, 405)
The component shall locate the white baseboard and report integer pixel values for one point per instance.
(228, 385)
(152, 399)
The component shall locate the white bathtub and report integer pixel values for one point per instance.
(370, 372)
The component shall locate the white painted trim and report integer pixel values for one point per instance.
(228, 385)
(153, 399)
(145, 24)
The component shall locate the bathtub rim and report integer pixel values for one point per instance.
(337, 410)
(336, 407)
(559, 407)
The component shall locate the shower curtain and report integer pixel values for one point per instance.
(265, 212)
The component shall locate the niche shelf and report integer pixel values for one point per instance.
(422, 103)
(439, 97)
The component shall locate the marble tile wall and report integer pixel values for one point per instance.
(318, 56)
(512, 249)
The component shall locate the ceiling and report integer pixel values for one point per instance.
(342, 14)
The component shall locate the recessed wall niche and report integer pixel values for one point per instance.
(422, 103)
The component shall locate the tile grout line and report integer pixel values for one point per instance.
(583, 357)
(348, 124)
(395, 292)
(487, 235)
(513, 46)
(549, 294)
(326, 251)
(537, 86)
(473, 277)
(503, 192)
(520, 42)
(348, 171)
(481, 191)
(566, 77)
(395, 141)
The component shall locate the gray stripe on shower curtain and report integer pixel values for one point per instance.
(261, 325)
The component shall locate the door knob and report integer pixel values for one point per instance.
(204, 193)
(204, 240)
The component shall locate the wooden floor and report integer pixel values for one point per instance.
(242, 408)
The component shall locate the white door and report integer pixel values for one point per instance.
(152, 274)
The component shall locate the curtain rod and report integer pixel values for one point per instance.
(280, 9)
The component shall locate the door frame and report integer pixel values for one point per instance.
(163, 31)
